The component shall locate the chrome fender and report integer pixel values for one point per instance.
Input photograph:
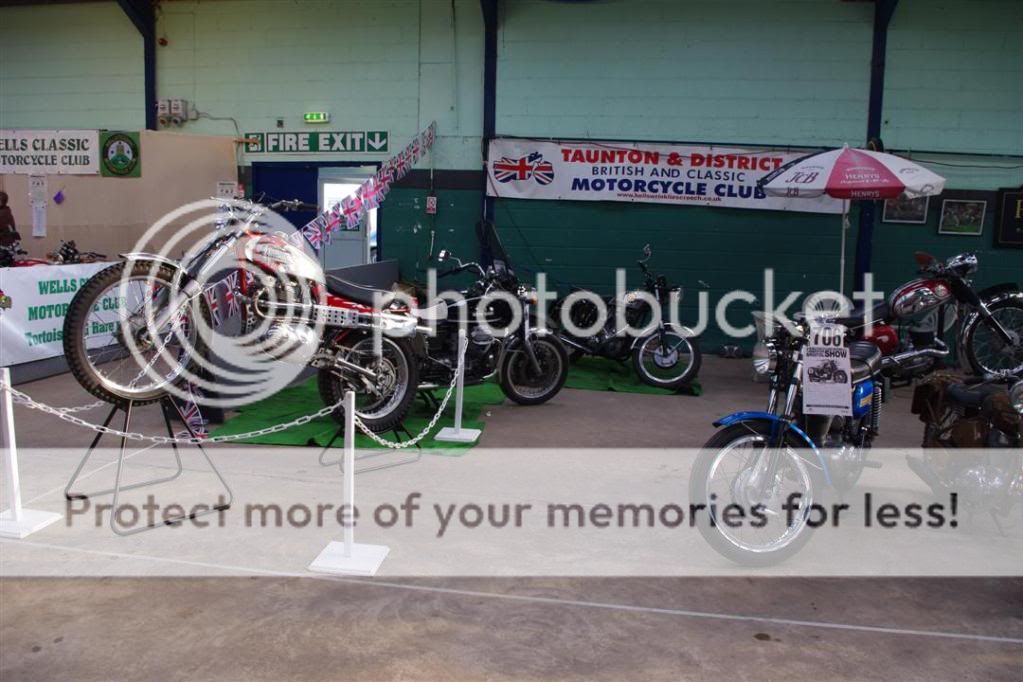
(775, 420)
(679, 329)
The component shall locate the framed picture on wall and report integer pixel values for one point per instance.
(905, 210)
(1009, 223)
(962, 217)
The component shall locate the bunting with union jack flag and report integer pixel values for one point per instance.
(192, 414)
(370, 194)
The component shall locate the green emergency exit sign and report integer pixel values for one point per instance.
(309, 142)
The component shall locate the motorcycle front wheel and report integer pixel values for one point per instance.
(670, 362)
(726, 472)
(523, 384)
(109, 341)
(383, 400)
(986, 351)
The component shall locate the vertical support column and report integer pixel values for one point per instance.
(883, 11)
(347, 557)
(16, 522)
(489, 8)
(142, 15)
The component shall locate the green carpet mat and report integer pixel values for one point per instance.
(304, 398)
(589, 373)
(601, 374)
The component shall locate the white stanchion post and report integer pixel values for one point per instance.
(347, 557)
(16, 522)
(458, 434)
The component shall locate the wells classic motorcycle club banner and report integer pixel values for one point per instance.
(49, 152)
(33, 327)
(659, 173)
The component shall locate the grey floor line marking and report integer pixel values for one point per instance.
(537, 600)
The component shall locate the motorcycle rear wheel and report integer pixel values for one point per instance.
(377, 413)
(984, 349)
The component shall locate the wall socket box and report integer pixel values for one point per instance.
(172, 112)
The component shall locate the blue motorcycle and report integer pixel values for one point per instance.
(759, 475)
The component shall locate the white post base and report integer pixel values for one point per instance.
(364, 559)
(450, 434)
(31, 520)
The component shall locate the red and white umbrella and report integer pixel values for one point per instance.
(852, 174)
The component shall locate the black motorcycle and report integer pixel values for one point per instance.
(668, 356)
(531, 365)
(827, 373)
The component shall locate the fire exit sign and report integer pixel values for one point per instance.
(309, 142)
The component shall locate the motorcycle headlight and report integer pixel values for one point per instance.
(1016, 396)
(764, 359)
(528, 295)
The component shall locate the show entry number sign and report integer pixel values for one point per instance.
(318, 142)
(827, 372)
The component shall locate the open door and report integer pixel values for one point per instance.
(347, 247)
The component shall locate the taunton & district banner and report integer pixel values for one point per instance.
(689, 175)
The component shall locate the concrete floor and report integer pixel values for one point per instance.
(257, 627)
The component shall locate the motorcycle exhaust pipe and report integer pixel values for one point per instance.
(898, 360)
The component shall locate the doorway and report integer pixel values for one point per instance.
(347, 247)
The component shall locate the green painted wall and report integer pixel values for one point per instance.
(70, 66)
(373, 64)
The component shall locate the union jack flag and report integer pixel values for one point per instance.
(372, 194)
(211, 300)
(230, 286)
(192, 415)
(400, 165)
(415, 151)
(526, 167)
(352, 208)
(313, 234)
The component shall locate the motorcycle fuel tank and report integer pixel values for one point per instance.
(277, 255)
(918, 297)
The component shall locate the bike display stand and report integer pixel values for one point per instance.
(166, 405)
(457, 434)
(347, 557)
(16, 522)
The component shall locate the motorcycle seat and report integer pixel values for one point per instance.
(865, 359)
(856, 316)
(972, 396)
(355, 292)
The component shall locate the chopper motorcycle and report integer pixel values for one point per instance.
(990, 337)
(145, 312)
(973, 440)
(666, 357)
(531, 365)
(759, 460)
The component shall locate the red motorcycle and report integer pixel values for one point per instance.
(908, 326)
(130, 333)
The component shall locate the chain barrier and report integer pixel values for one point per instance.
(67, 414)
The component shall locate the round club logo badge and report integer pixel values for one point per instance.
(120, 154)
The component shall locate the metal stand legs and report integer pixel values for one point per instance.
(166, 404)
